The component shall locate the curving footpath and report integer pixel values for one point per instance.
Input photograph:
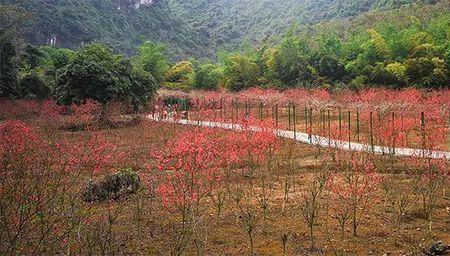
(314, 139)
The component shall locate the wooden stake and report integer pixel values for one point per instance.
(371, 132)
(295, 128)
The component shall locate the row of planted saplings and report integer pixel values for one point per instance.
(389, 128)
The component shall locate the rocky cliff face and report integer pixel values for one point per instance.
(142, 3)
(136, 4)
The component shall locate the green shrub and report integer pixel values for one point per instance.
(180, 76)
(207, 77)
(33, 86)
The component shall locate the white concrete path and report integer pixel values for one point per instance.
(314, 139)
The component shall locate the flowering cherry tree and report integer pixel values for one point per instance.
(353, 187)
(190, 166)
(37, 179)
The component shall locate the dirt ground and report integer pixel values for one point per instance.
(141, 225)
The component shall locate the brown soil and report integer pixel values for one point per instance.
(144, 227)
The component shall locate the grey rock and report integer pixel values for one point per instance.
(438, 248)
(112, 186)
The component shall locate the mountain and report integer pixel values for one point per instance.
(190, 28)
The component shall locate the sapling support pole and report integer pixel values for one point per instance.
(357, 125)
(329, 125)
(448, 135)
(306, 120)
(198, 112)
(215, 110)
(310, 124)
(422, 128)
(319, 122)
(340, 123)
(289, 115)
(203, 107)
(186, 108)
(260, 110)
(276, 115)
(371, 132)
(349, 129)
(237, 110)
(294, 117)
(220, 109)
(403, 128)
(207, 109)
(379, 125)
(224, 108)
(246, 108)
(272, 112)
(232, 111)
(393, 133)
(323, 120)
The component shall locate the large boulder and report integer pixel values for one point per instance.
(112, 186)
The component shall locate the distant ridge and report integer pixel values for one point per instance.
(191, 28)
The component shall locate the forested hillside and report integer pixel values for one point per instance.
(202, 45)
(229, 22)
(117, 23)
(194, 28)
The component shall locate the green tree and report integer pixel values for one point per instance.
(379, 44)
(56, 58)
(33, 85)
(53, 61)
(207, 77)
(152, 58)
(398, 71)
(426, 51)
(180, 76)
(427, 72)
(12, 20)
(378, 74)
(8, 69)
(420, 38)
(143, 87)
(328, 66)
(31, 56)
(240, 72)
(290, 63)
(426, 66)
(96, 73)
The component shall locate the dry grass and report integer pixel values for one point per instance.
(144, 227)
(139, 225)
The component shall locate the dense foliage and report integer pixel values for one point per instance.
(8, 70)
(207, 77)
(96, 73)
(93, 72)
(405, 47)
(395, 48)
(180, 76)
(399, 48)
(191, 27)
(12, 19)
(152, 59)
(116, 23)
